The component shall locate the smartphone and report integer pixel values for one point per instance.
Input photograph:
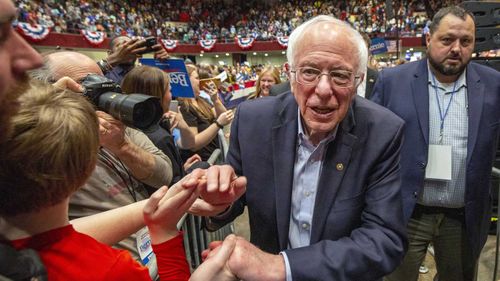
(174, 106)
(149, 43)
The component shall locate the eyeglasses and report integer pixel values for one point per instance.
(310, 76)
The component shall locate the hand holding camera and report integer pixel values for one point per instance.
(134, 110)
(111, 131)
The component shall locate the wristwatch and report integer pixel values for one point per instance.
(219, 125)
(104, 66)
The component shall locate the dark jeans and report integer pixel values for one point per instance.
(445, 228)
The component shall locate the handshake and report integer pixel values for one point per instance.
(208, 193)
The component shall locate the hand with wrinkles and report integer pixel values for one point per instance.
(111, 131)
(220, 187)
(127, 52)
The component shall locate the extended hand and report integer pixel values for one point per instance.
(165, 208)
(225, 117)
(215, 267)
(219, 187)
(249, 263)
(223, 186)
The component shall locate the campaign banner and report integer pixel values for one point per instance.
(378, 46)
(180, 85)
(35, 33)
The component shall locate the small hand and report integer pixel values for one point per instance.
(176, 120)
(191, 160)
(68, 83)
(211, 89)
(165, 208)
(215, 266)
(225, 117)
(222, 185)
(219, 187)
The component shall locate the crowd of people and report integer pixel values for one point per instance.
(223, 20)
(347, 174)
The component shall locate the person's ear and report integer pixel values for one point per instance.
(427, 39)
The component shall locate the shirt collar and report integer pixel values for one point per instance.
(461, 81)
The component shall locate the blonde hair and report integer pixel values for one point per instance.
(274, 72)
(202, 107)
(51, 152)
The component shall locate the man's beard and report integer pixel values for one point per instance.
(9, 107)
(447, 70)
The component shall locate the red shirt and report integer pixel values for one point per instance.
(70, 255)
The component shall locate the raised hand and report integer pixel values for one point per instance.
(223, 186)
(165, 208)
(127, 52)
(225, 117)
(219, 187)
(249, 263)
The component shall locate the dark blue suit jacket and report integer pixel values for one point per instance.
(404, 90)
(358, 229)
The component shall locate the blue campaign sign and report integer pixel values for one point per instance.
(180, 85)
(378, 46)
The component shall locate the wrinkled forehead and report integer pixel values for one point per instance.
(75, 66)
(327, 38)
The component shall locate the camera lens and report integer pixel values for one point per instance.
(134, 110)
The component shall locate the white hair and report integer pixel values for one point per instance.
(352, 35)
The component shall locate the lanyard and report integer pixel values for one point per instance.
(441, 115)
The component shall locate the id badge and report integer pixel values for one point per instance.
(144, 246)
(439, 162)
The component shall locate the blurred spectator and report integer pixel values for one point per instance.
(203, 119)
(211, 19)
(154, 82)
(267, 78)
(43, 165)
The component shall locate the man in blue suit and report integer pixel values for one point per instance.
(322, 166)
(451, 108)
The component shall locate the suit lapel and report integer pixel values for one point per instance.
(420, 93)
(335, 163)
(284, 138)
(475, 99)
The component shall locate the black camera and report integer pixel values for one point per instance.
(149, 43)
(134, 110)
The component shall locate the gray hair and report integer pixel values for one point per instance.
(352, 35)
(44, 73)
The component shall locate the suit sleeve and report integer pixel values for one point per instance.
(234, 159)
(377, 245)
